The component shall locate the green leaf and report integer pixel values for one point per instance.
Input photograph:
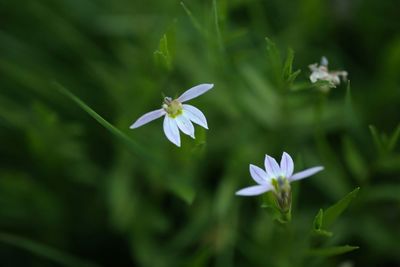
(318, 220)
(273, 54)
(162, 56)
(377, 139)
(333, 212)
(317, 225)
(322, 232)
(44, 251)
(332, 251)
(394, 138)
(134, 147)
(217, 27)
(287, 66)
(293, 76)
(195, 22)
(182, 190)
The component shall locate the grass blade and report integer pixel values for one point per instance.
(193, 19)
(217, 28)
(135, 147)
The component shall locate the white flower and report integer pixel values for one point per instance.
(178, 116)
(322, 72)
(275, 178)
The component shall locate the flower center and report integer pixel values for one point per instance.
(172, 107)
(283, 193)
(280, 184)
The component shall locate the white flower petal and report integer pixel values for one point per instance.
(313, 67)
(195, 115)
(272, 167)
(319, 75)
(314, 77)
(306, 173)
(287, 165)
(171, 131)
(254, 190)
(148, 117)
(195, 92)
(258, 175)
(185, 125)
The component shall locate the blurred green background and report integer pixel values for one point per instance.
(73, 194)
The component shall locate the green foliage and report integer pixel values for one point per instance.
(333, 212)
(324, 219)
(122, 197)
(283, 74)
(116, 132)
(165, 53)
(383, 143)
(332, 251)
(194, 21)
(317, 225)
(162, 55)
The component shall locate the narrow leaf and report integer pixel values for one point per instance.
(317, 225)
(287, 67)
(196, 24)
(318, 220)
(135, 147)
(377, 139)
(44, 251)
(393, 139)
(162, 55)
(184, 191)
(217, 27)
(333, 212)
(323, 233)
(332, 251)
(293, 76)
(273, 53)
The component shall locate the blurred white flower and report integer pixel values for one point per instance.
(276, 178)
(322, 72)
(178, 116)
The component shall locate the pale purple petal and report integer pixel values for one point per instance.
(185, 125)
(148, 117)
(306, 173)
(195, 92)
(171, 131)
(195, 115)
(258, 175)
(254, 190)
(272, 167)
(287, 165)
(324, 61)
